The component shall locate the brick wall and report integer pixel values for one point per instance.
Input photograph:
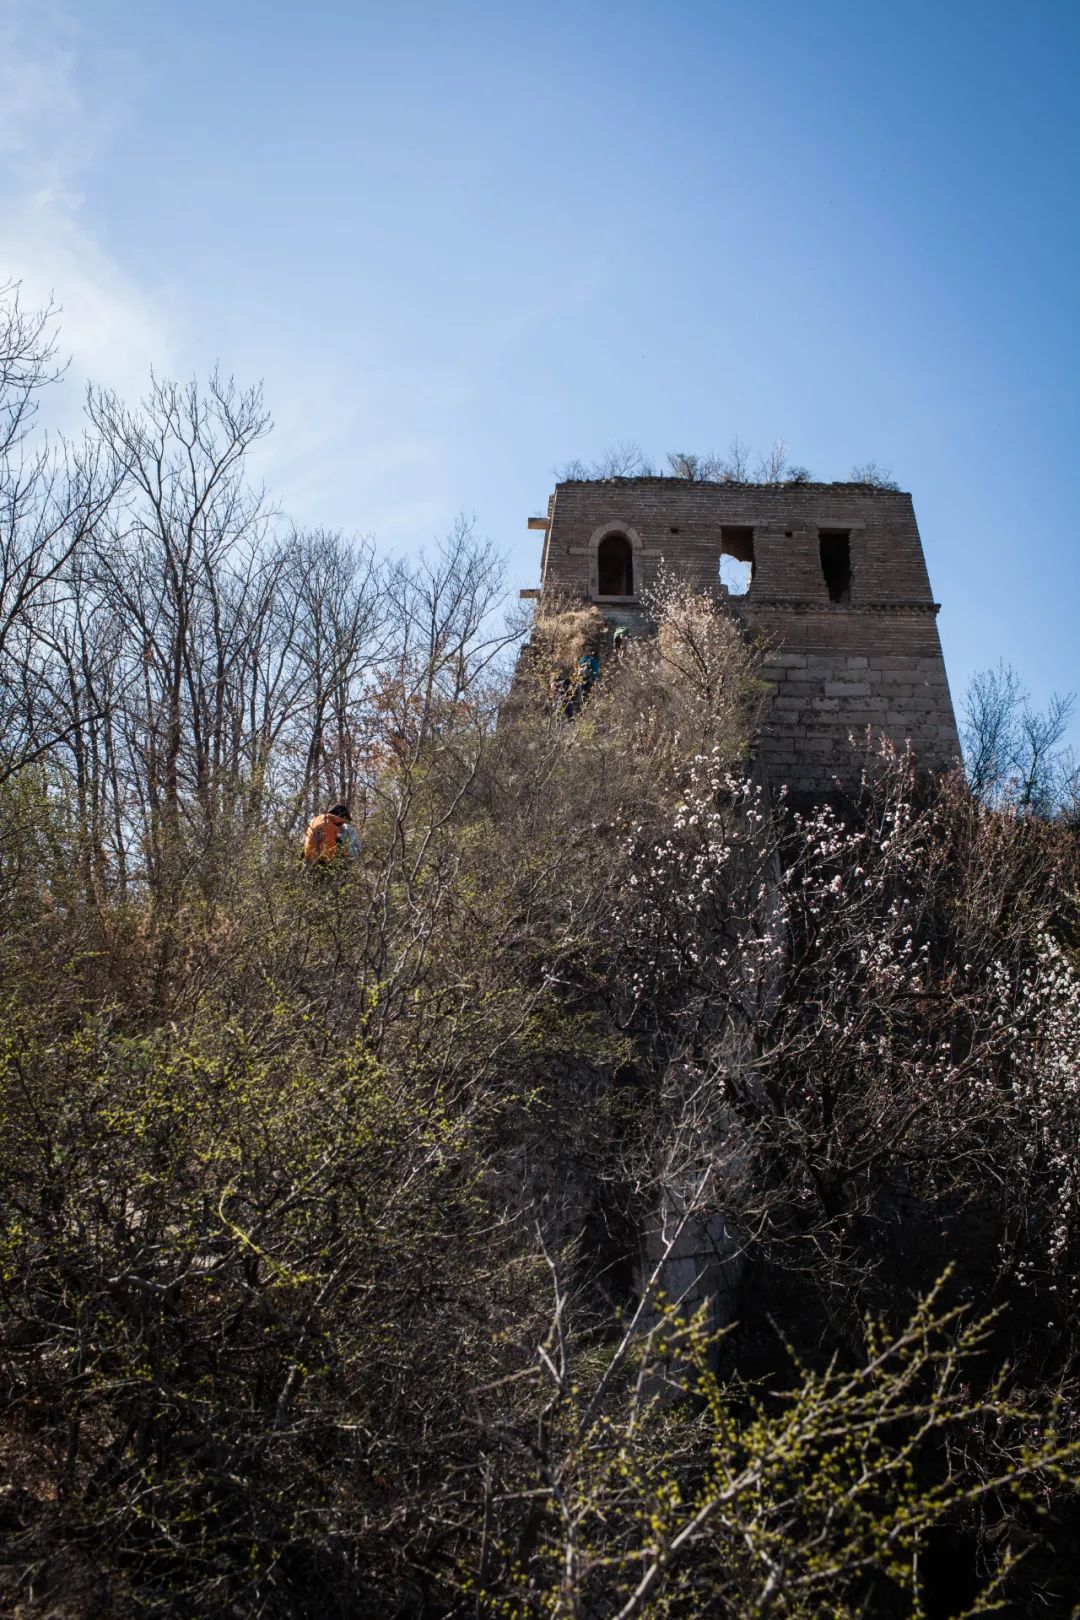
(835, 667)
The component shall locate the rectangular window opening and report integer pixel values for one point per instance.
(736, 558)
(835, 547)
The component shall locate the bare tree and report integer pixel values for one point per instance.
(342, 639)
(184, 516)
(623, 459)
(51, 501)
(771, 466)
(28, 349)
(732, 468)
(874, 476)
(1012, 750)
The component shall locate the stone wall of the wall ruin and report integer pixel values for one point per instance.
(826, 706)
(872, 660)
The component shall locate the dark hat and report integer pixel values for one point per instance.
(341, 810)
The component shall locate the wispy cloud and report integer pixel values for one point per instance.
(60, 104)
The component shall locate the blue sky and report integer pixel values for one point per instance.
(464, 242)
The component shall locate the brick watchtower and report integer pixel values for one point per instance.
(833, 578)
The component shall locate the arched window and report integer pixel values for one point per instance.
(615, 566)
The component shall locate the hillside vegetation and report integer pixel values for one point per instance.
(324, 1281)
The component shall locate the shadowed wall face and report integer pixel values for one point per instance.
(831, 576)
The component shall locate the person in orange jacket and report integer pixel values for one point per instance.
(331, 835)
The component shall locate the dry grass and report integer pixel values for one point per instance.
(567, 629)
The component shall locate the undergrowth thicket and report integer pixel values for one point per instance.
(324, 1288)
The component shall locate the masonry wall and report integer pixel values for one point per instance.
(835, 668)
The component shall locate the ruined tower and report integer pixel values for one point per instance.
(832, 578)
